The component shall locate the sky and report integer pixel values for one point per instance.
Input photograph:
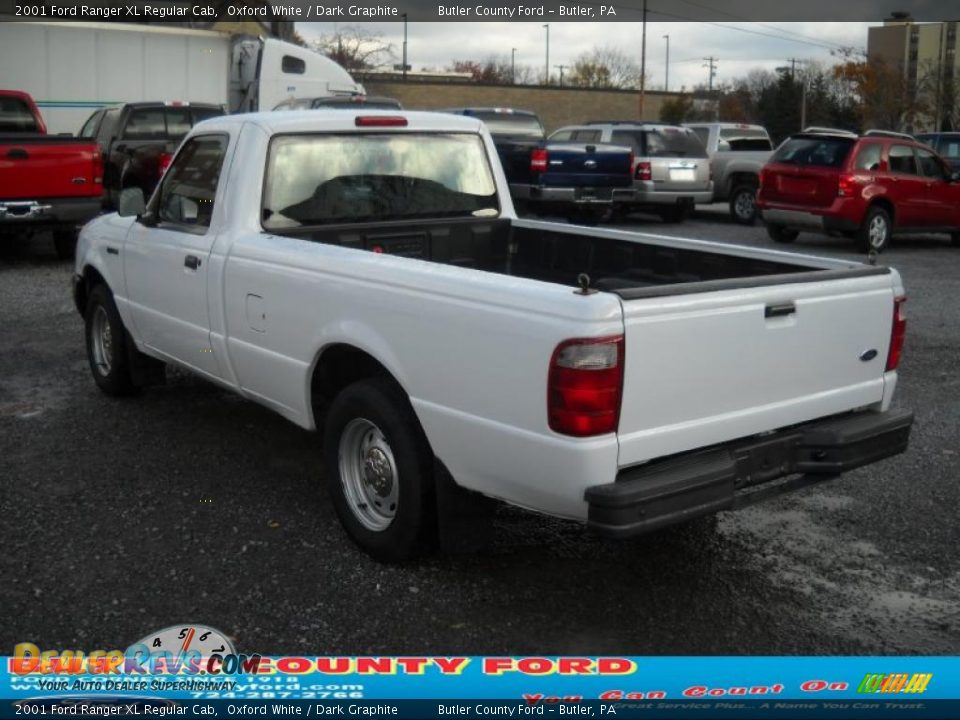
(740, 47)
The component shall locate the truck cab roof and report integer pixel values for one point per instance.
(312, 121)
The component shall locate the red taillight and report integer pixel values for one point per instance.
(632, 160)
(897, 334)
(163, 162)
(846, 185)
(98, 167)
(380, 121)
(585, 385)
(538, 160)
(644, 171)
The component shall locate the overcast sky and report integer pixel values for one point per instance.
(435, 44)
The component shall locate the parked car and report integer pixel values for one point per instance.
(670, 170)
(947, 145)
(47, 182)
(341, 102)
(138, 141)
(451, 351)
(868, 187)
(737, 153)
(582, 179)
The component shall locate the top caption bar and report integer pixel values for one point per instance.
(449, 11)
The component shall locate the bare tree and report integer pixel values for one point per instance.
(605, 67)
(354, 48)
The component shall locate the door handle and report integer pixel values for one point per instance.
(191, 261)
(17, 154)
(782, 310)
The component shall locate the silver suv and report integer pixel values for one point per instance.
(671, 171)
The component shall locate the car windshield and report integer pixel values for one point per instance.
(673, 142)
(746, 139)
(15, 116)
(512, 124)
(821, 152)
(321, 179)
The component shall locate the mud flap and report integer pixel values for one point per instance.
(464, 517)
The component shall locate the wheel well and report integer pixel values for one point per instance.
(91, 278)
(743, 178)
(339, 366)
(886, 205)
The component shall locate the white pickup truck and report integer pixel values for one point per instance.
(366, 273)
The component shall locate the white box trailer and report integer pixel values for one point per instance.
(74, 68)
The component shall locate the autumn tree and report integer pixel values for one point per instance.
(354, 48)
(885, 99)
(676, 110)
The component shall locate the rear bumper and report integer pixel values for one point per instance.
(572, 195)
(60, 212)
(804, 220)
(743, 472)
(645, 194)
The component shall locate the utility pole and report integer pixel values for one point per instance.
(666, 83)
(513, 66)
(404, 47)
(711, 62)
(561, 68)
(546, 67)
(643, 62)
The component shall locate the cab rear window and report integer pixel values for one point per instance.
(15, 116)
(672, 142)
(818, 152)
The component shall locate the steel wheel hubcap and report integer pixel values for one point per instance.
(368, 474)
(878, 231)
(744, 205)
(102, 341)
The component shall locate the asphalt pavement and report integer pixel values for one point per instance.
(188, 504)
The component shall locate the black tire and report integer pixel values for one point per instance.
(743, 204)
(674, 213)
(65, 243)
(380, 402)
(112, 377)
(781, 234)
(874, 233)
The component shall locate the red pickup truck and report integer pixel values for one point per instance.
(46, 182)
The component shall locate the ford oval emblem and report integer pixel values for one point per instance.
(868, 355)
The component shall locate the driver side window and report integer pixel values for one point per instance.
(190, 185)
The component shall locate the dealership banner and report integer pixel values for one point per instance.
(142, 681)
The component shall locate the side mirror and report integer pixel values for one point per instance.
(723, 146)
(131, 203)
(955, 176)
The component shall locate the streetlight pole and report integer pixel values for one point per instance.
(546, 67)
(561, 68)
(666, 84)
(643, 62)
(513, 66)
(404, 47)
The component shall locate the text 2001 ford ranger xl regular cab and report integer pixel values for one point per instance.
(367, 272)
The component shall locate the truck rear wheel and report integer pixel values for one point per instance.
(378, 469)
(107, 344)
(781, 234)
(743, 204)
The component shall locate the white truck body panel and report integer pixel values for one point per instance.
(472, 348)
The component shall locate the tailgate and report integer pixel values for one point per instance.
(587, 166)
(711, 367)
(803, 186)
(51, 167)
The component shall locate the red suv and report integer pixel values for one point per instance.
(866, 187)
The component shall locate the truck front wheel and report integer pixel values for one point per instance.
(107, 344)
(743, 204)
(378, 468)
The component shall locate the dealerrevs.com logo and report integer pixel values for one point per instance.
(895, 683)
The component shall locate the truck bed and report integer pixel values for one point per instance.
(630, 265)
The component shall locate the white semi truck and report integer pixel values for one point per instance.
(72, 69)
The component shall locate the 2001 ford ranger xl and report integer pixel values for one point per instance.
(366, 272)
